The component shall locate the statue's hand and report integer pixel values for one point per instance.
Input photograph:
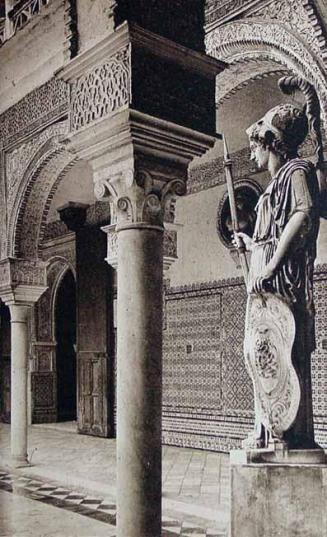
(240, 240)
(261, 283)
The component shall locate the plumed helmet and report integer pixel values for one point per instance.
(283, 129)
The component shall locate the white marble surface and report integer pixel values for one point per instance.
(23, 517)
(195, 483)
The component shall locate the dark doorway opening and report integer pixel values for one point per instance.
(65, 319)
(5, 363)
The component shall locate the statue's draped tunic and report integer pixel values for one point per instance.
(293, 189)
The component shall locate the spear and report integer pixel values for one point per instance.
(233, 210)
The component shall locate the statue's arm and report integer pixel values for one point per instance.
(296, 228)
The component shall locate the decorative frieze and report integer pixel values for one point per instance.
(23, 12)
(296, 15)
(242, 40)
(212, 173)
(22, 280)
(102, 90)
(110, 77)
(217, 10)
(39, 108)
(25, 156)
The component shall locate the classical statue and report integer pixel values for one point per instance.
(279, 332)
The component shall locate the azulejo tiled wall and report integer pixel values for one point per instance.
(207, 393)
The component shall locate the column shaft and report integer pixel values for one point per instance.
(139, 381)
(19, 371)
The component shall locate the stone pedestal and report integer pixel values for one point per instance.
(278, 500)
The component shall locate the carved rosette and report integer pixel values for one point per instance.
(269, 337)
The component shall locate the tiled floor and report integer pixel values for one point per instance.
(76, 474)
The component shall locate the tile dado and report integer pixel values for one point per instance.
(207, 395)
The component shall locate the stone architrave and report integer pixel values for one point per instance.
(22, 282)
(139, 140)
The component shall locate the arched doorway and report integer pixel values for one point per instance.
(5, 348)
(65, 329)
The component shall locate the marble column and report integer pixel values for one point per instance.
(139, 381)
(139, 153)
(19, 373)
(22, 282)
(9, 4)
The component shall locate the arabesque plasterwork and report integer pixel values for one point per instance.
(295, 15)
(23, 156)
(38, 108)
(102, 90)
(257, 40)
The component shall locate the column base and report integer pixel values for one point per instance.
(270, 500)
(19, 462)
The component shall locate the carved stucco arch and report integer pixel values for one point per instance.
(40, 184)
(65, 267)
(57, 267)
(241, 42)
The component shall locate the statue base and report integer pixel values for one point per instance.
(278, 453)
(280, 497)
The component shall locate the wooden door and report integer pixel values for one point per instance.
(94, 321)
(93, 401)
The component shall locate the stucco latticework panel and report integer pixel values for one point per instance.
(243, 40)
(102, 90)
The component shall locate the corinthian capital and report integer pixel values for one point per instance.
(141, 195)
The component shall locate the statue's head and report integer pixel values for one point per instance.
(282, 130)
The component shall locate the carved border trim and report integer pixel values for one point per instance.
(36, 110)
(238, 41)
(207, 288)
(27, 227)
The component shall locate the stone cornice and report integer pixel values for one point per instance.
(134, 130)
(132, 34)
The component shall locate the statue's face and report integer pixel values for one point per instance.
(260, 155)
